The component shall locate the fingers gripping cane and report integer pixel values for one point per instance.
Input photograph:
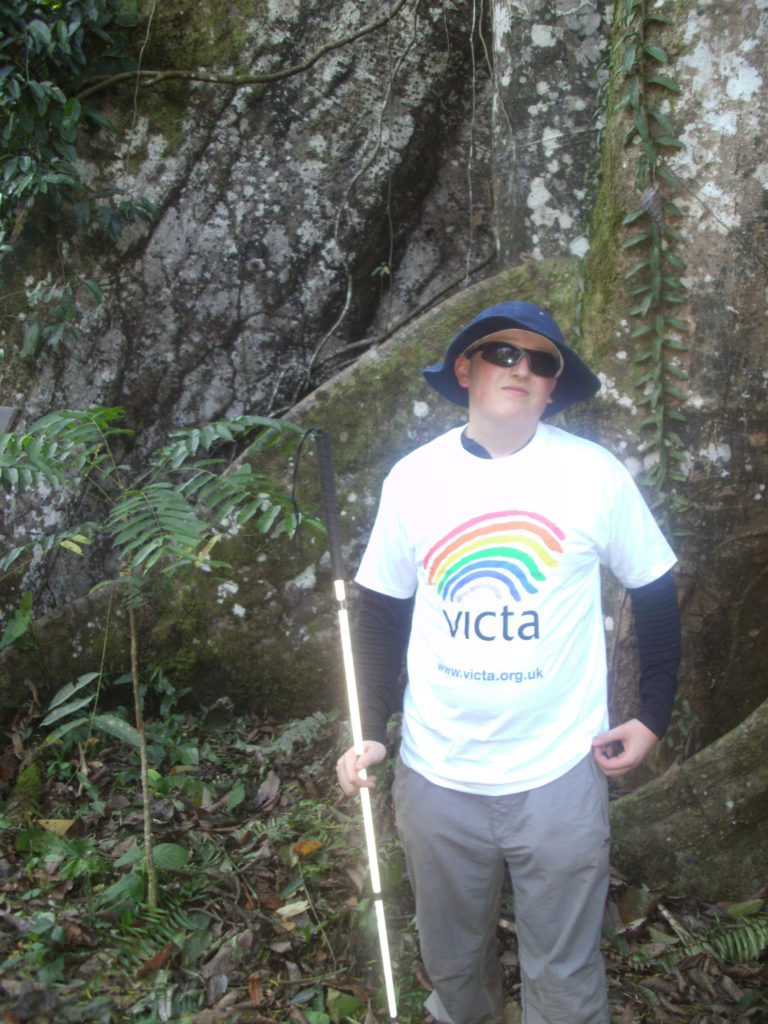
(331, 515)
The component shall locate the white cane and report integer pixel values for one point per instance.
(331, 515)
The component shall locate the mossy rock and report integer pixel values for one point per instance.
(26, 796)
(271, 643)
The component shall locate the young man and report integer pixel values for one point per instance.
(485, 560)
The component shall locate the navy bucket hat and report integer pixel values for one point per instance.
(575, 384)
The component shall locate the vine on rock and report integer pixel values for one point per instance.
(654, 275)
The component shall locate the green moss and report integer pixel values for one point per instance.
(27, 794)
(174, 639)
(604, 286)
(202, 35)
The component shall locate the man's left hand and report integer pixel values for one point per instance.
(620, 750)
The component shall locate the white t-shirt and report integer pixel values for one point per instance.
(506, 661)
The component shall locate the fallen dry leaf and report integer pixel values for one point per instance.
(59, 826)
(76, 936)
(269, 790)
(255, 988)
(306, 847)
(268, 898)
(156, 962)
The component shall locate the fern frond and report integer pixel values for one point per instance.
(261, 431)
(156, 522)
(741, 942)
(154, 929)
(58, 448)
(300, 733)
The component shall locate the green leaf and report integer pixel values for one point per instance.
(193, 441)
(747, 908)
(67, 709)
(152, 547)
(644, 306)
(674, 344)
(31, 341)
(645, 378)
(127, 17)
(14, 553)
(670, 141)
(40, 33)
(114, 726)
(128, 889)
(663, 82)
(633, 216)
(641, 289)
(636, 239)
(94, 289)
(672, 209)
(19, 624)
(68, 691)
(666, 175)
(674, 260)
(236, 796)
(71, 545)
(676, 371)
(99, 119)
(267, 521)
(134, 855)
(636, 267)
(678, 325)
(65, 728)
(657, 53)
(170, 857)
(663, 122)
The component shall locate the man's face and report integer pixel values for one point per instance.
(506, 392)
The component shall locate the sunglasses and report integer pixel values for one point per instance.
(501, 353)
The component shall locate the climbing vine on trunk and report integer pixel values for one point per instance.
(654, 273)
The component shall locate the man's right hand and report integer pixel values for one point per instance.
(351, 763)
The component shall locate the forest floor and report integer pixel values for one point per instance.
(264, 912)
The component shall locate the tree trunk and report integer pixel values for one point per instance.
(702, 827)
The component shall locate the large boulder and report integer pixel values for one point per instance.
(322, 174)
(266, 635)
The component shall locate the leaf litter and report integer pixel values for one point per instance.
(265, 913)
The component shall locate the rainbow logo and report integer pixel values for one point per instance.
(507, 551)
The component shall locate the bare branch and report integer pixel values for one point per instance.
(154, 77)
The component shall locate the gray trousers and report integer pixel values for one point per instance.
(554, 842)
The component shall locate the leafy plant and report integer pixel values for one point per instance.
(166, 519)
(47, 53)
(66, 705)
(654, 276)
(54, 315)
(47, 50)
(19, 623)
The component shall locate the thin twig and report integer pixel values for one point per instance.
(153, 77)
(141, 58)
